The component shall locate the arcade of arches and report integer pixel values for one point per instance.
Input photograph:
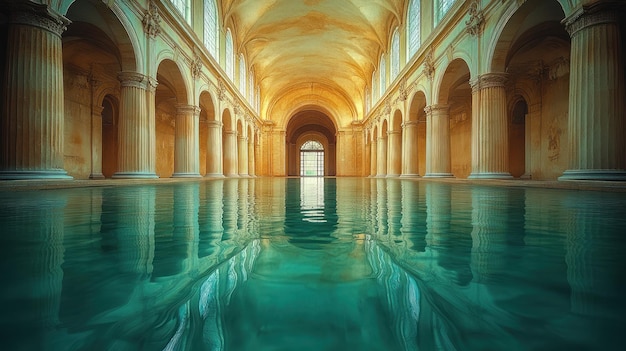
(474, 89)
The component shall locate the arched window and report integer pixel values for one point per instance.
(382, 80)
(210, 28)
(251, 86)
(395, 54)
(230, 56)
(413, 35)
(374, 90)
(312, 159)
(442, 8)
(243, 83)
(183, 7)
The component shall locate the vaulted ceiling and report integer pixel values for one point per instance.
(326, 47)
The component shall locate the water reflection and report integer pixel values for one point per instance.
(312, 262)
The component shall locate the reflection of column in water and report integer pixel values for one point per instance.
(211, 215)
(209, 307)
(412, 219)
(489, 221)
(186, 226)
(437, 215)
(135, 230)
(582, 225)
(243, 210)
(271, 206)
(394, 212)
(230, 217)
(372, 214)
(381, 207)
(30, 265)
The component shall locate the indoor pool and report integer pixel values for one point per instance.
(312, 264)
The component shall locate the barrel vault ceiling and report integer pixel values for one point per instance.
(322, 48)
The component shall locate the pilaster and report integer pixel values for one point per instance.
(373, 157)
(251, 158)
(490, 136)
(31, 128)
(136, 130)
(437, 141)
(596, 93)
(187, 145)
(381, 168)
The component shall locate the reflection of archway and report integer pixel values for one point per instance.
(310, 125)
(311, 159)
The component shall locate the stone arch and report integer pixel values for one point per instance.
(309, 121)
(314, 136)
(170, 73)
(415, 149)
(118, 27)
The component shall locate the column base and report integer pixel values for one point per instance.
(96, 176)
(35, 175)
(244, 176)
(490, 175)
(439, 175)
(214, 175)
(410, 175)
(134, 175)
(231, 175)
(186, 175)
(380, 176)
(594, 174)
(392, 176)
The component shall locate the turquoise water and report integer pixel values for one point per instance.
(312, 264)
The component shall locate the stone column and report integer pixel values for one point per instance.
(381, 168)
(367, 157)
(410, 162)
(243, 156)
(187, 144)
(230, 153)
(596, 95)
(251, 158)
(32, 112)
(394, 153)
(136, 130)
(96, 142)
(490, 135)
(437, 142)
(214, 150)
(373, 157)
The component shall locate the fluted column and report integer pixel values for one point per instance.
(437, 141)
(410, 162)
(31, 129)
(230, 153)
(96, 143)
(187, 144)
(251, 158)
(490, 136)
(243, 156)
(394, 153)
(136, 130)
(214, 150)
(381, 168)
(596, 95)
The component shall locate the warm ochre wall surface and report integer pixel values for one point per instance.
(443, 109)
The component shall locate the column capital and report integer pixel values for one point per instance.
(488, 80)
(393, 132)
(436, 109)
(586, 16)
(214, 124)
(134, 79)
(408, 124)
(187, 110)
(37, 15)
(230, 132)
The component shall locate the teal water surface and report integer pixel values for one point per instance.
(312, 264)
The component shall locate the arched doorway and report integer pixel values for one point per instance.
(310, 125)
(312, 159)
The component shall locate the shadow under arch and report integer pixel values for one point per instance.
(321, 128)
